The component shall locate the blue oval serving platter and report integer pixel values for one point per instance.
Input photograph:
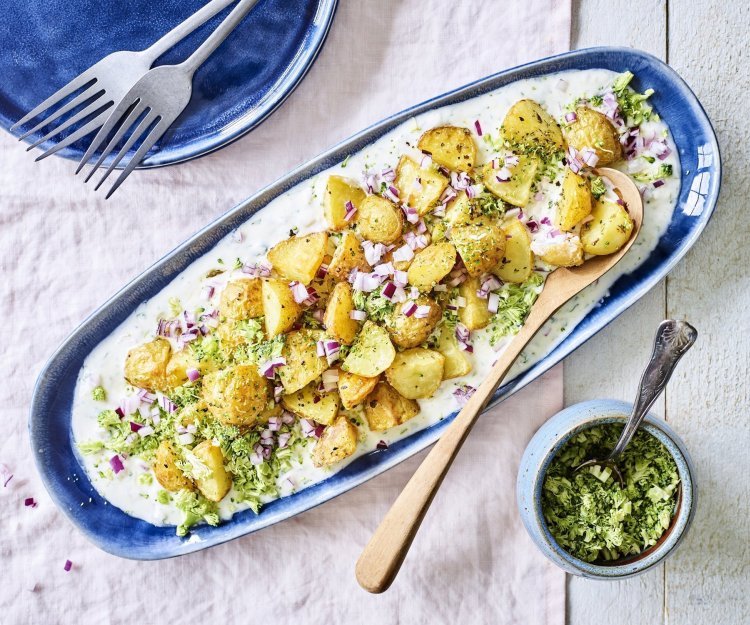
(46, 44)
(118, 533)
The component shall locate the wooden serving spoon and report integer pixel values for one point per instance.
(381, 559)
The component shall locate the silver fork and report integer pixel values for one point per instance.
(153, 103)
(106, 83)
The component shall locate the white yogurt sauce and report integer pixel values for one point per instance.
(301, 206)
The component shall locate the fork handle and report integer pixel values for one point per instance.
(182, 30)
(197, 58)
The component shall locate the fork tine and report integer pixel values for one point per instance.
(79, 99)
(94, 106)
(119, 134)
(112, 121)
(90, 127)
(75, 84)
(134, 136)
(152, 137)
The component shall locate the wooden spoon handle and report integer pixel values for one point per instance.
(381, 559)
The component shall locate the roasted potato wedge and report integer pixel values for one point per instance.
(280, 311)
(417, 187)
(303, 364)
(517, 262)
(237, 395)
(386, 408)
(475, 315)
(413, 331)
(339, 325)
(457, 362)
(575, 201)
(528, 126)
(339, 191)
(338, 441)
(379, 220)
(167, 473)
(481, 244)
(561, 253)
(458, 210)
(353, 389)
(593, 130)
(609, 229)
(308, 403)
(416, 373)
(372, 352)
(242, 299)
(348, 255)
(146, 365)
(299, 257)
(178, 366)
(517, 189)
(215, 484)
(450, 146)
(431, 264)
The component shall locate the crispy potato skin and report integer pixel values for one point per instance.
(608, 231)
(410, 331)
(379, 220)
(575, 201)
(348, 255)
(354, 389)
(517, 190)
(303, 364)
(416, 373)
(450, 146)
(339, 191)
(386, 408)
(308, 403)
(480, 243)
(568, 253)
(475, 315)
(241, 299)
(216, 485)
(517, 262)
(593, 130)
(372, 352)
(146, 365)
(528, 125)
(339, 325)
(299, 257)
(279, 308)
(237, 395)
(339, 441)
(456, 362)
(167, 473)
(417, 187)
(431, 264)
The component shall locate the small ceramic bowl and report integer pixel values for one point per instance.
(542, 449)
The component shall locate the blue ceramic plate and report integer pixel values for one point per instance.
(120, 534)
(46, 44)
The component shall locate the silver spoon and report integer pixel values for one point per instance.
(673, 339)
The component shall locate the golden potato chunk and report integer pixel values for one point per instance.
(450, 146)
(386, 408)
(593, 130)
(563, 253)
(475, 315)
(338, 441)
(575, 201)
(303, 364)
(237, 395)
(457, 362)
(353, 388)
(213, 482)
(146, 365)
(280, 311)
(419, 188)
(430, 265)
(167, 473)
(339, 325)
(481, 245)
(458, 210)
(339, 191)
(517, 189)
(309, 403)
(609, 229)
(413, 331)
(371, 354)
(529, 127)
(242, 299)
(348, 255)
(416, 373)
(299, 257)
(178, 366)
(379, 220)
(517, 262)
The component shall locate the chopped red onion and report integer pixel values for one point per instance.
(532, 225)
(284, 439)
(408, 309)
(474, 190)
(448, 195)
(332, 349)
(493, 302)
(373, 251)
(134, 427)
(261, 269)
(119, 412)
(381, 445)
(545, 221)
(193, 374)
(462, 333)
(307, 426)
(366, 282)
(384, 270)
(503, 175)
(460, 180)
(478, 127)
(571, 117)
(68, 566)
(287, 418)
(299, 291)
(463, 393)
(146, 431)
(389, 289)
(425, 161)
(146, 397)
(589, 157)
(422, 312)
(167, 404)
(207, 292)
(388, 174)
(358, 315)
(511, 160)
(350, 211)
(116, 464)
(318, 314)
(421, 227)
(185, 439)
(404, 253)
(658, 183)
(268, 368)
(401, 278)
(411, 214)
(29, 502)
(321, 349)
(256, 459)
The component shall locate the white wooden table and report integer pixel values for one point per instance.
(708, 579)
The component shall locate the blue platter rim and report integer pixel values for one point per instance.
(120, 534)
(217, 139)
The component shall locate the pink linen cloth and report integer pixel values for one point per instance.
(65, 251)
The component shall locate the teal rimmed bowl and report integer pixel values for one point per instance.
(548, 441)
